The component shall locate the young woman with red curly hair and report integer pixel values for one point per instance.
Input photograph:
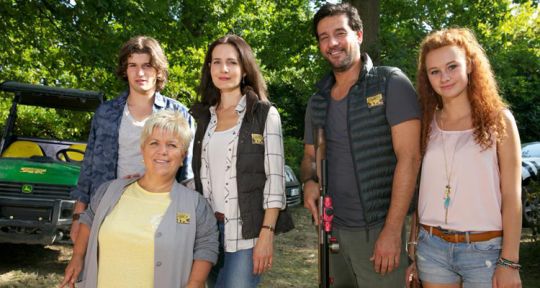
(469, 208)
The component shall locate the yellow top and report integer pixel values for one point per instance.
(126, 239)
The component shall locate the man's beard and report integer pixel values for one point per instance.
(346, 63)
(343, 65)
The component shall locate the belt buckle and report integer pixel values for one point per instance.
(456, 235)
(446, 231)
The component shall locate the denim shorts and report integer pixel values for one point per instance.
(441, 262)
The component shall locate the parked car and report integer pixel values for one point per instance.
(293, 188)
(530, 167)
(37, 175)
(530, 156)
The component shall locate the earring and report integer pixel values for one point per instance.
(244, 80)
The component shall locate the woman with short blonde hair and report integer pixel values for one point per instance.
(149, 231)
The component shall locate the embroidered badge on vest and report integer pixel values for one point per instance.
(257, 139)
(182, 218)
(375, 100)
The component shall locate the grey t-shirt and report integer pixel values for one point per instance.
(401, 105)
(130, 160)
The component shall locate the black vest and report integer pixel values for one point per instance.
(369, 135)
(250, 174)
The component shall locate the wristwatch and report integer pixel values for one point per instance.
(269, 227)
(76, 216)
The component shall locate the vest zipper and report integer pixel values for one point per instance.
(354, 162)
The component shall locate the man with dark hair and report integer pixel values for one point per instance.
(113, 149)
(370, 118)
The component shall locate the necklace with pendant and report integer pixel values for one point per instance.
(448, 171)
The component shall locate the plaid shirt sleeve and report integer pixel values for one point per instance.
(274, 162)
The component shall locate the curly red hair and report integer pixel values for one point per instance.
(482, 89)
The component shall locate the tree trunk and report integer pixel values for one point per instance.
(369, 11)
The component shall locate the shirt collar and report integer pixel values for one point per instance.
(159, 100)
(240, 107)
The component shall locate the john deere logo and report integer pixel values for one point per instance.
(32, 170)
(27, 188)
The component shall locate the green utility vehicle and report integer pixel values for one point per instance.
(37, 175)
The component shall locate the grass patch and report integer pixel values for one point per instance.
(295, 260)
(529, 256)
(295, 255)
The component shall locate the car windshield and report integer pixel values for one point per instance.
(529, 150)
(289, 174)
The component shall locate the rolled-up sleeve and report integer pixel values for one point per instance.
(206, 238)
(274, 162)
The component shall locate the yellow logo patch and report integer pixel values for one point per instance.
(375, 100)
(182, 218)
(31, 170)
(257, 139)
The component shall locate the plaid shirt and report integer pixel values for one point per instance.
(274, 188)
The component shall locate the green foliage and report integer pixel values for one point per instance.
(294, 150)
(514, 49)
(75, 44)
(404, 23)
(509, 32)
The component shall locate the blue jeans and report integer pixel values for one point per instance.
(443, 262)
(234, 269)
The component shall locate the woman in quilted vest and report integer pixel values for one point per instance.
(238, 161)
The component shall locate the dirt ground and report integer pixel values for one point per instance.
(295, 262)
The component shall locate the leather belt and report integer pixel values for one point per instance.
(453, 236)
(220, 217)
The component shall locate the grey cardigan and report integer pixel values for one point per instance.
(178, 241)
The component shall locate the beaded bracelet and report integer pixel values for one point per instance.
(507, 263)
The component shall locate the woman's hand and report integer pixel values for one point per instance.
(411, 276)
(262, 252)
(506, 277)
(72, 271)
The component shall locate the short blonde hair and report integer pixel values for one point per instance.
(168, 121)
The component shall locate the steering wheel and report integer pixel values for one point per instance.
(62, 154)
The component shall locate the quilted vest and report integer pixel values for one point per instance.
(370, 136)
(251, 176)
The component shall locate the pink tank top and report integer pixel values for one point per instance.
(475, 203)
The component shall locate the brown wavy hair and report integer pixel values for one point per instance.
(144, 45)
(252, 85)
(482, 89)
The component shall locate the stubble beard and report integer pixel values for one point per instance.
(346, 63)
(343, 65)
